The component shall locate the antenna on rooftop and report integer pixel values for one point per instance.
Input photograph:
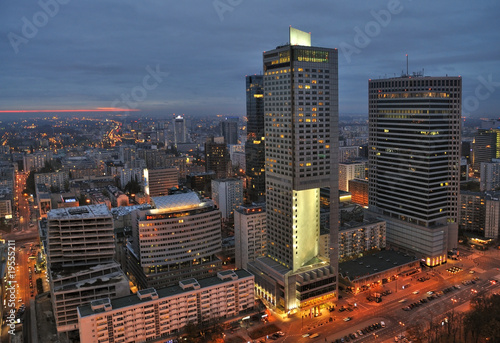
(407, 64)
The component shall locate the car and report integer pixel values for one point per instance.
(352, 336)
(382, 324)
(280, 333)
(416, 292)
(314, 335)
(306, 335)
(360, 333)
(471, 272)
(346, 319)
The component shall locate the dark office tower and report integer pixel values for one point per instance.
(483, 149)
(255, 144)
(301, 130)
(414, 161)
(229, 130)
(217, 157)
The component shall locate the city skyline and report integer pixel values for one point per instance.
(176, 58)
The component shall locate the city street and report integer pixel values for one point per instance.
(474, 264)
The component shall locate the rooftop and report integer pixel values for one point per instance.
(373, 264)
(177, 202)
(135, 299)
(82, 212)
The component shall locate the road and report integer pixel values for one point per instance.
(482, 264)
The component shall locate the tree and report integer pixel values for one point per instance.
(133, 186)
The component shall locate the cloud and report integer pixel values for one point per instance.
(91, 52)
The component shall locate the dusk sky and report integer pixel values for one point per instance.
(192, 56)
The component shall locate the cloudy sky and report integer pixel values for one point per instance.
(191, 57)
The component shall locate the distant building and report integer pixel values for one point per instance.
(480, 213)
(356, 239)
(80, 249)
(175, 240)
(227, 195)
(348, 153)
(130, 174)
(483, 149)
(250, 234)
(349, 171)
(489, 176)
(6, 203)
(157, 182)
(117, 197)
(201, 182)
(58, 180)
(237, 153)
(43, 199)
(359, 191)
(217, 158)
(229, 130)
(36, 161)
(152, 313)
(179, 130)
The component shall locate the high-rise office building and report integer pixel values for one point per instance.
(179, 130)
(229, 130)
(483, 149)
(301, 121)
(350, 171)
(254, 146)
(414, 161)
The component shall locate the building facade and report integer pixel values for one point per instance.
(489, 179)
(158, 182)
(254, 145)
(349, 171)
(56, 180)
(175, 240)
(217, 157)
(229, 130)
(80, 250)
(227, 195)
(301, 121)
(414, 161)
(357, 239)
(152, 313)
(249, 234)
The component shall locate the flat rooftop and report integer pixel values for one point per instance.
(134, 299)
(374, 264)
(82, 212)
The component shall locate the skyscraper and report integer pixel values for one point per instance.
(254, 146)
(301, 120)
(229, 130)
(179, 130)
(414, 159)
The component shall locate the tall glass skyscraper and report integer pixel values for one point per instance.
(254, 145)
(414, 157)
(301, 135)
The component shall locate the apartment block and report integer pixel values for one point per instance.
(249, 234)
(152, 313)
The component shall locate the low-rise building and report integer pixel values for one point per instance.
(376, 269)
(158, 313)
